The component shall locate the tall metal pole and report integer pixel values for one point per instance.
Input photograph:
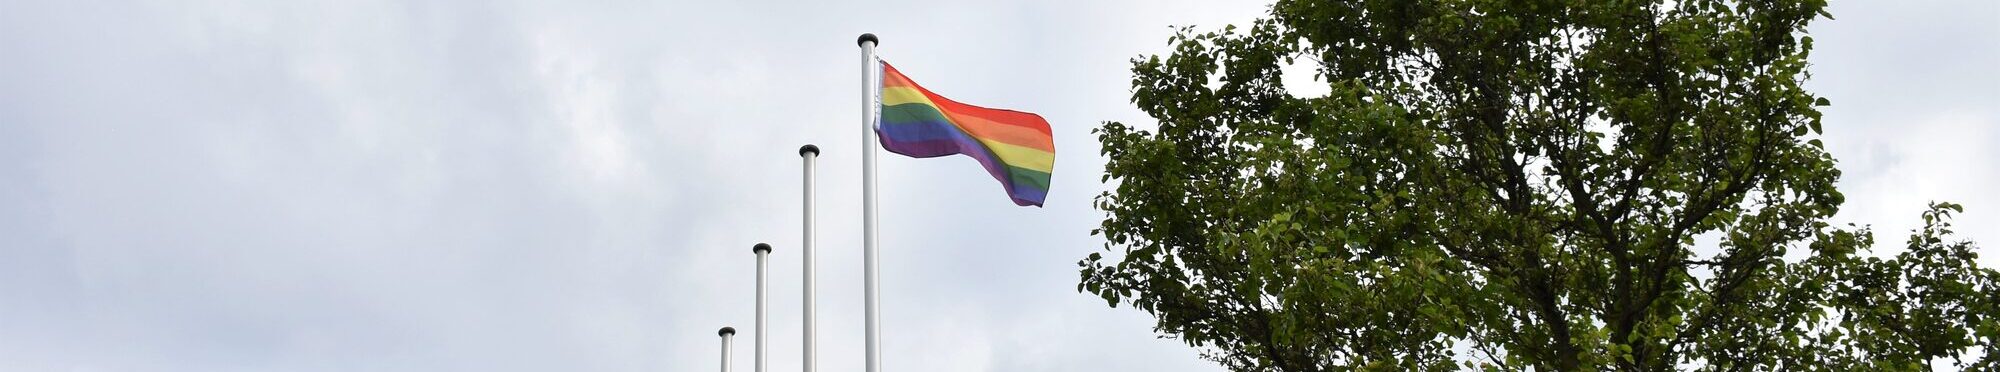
(869, 266)
(811, 360)
(763, 251)
(726, 333)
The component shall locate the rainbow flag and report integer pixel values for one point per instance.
(1015, 147)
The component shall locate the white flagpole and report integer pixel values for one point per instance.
(869, 264)
(809, 153)
(726, 332)
(763, 251)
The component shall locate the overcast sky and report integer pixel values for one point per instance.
(575, 185)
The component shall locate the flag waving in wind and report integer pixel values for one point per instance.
(1015, 147)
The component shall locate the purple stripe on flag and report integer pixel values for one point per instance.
(934, 139)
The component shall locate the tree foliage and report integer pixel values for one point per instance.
(1540, 185)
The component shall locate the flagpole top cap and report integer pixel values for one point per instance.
(808, 148)
(761, 248)
(726, 331)
(867, 38)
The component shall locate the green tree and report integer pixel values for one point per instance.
(1515, 185)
